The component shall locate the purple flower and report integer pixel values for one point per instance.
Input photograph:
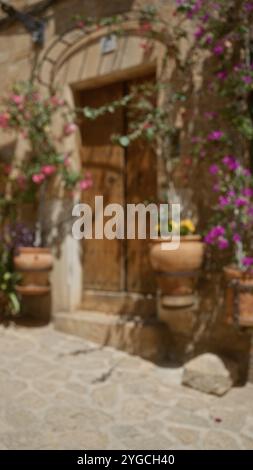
(248, 6)
(240, 202)
(208, 40)
(223, 243)
(223, 201)
(222, 75)
(250, 211)
(248, 192)
(218, 49)
(231, 193)
(195, 139)
(210, 115)
(247, 79)
(231, 162)
(247, 261)
(246, 172)
(237, 67)
(236, 238)
(213, 169)
(214, 234)
(199, 33)
(205, 18)
(215, 136)
(218, 231)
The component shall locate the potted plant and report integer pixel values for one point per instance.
(177, 270)
(31, 181)
(9, 301)
(231, 232)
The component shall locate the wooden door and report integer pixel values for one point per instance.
(120, 176)
(141, 186)
(103, 260)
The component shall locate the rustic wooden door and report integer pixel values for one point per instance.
(121, 176)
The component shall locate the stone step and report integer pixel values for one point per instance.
(119, 303)
(145, 338)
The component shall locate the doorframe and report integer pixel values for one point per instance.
(67, 273)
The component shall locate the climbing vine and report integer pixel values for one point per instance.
(215, 118)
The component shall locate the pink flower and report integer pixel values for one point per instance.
(144, 45)
(247, 79)
(213, 169)
(248, 192)
(231, 162)
(223, 243)
(48, 169)
(215, 136)
(199, 32)
(17, 99)
(38, 178)
(7, 169)
(210, 115)
(69, 128)
(222, 75)
(66, 162)
(240, 202)
(223, 201)
(247, 261)
(236, 238)
(80, 24)
(248, 6)
(145, 27)
(56, 101)
(86, 183)
(218, 49)
(21, 180)
(24, 134)
(4, 120)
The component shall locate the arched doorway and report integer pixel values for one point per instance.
(113, 275)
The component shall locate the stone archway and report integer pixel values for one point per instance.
(73, 61)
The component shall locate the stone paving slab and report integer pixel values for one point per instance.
(61, 392)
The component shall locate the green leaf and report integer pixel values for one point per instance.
(7, 276)
(15, 302)
(124, 141)
(88, 112)
(150, 133)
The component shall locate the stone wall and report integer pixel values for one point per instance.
(193, 330)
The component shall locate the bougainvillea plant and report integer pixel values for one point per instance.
(223, 29)
(220, 136)
(29, 116)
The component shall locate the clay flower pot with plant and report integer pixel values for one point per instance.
(177, 270)
(231, 232)
(44, 170)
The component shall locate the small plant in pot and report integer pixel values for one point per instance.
(177, 270)
(231, 232)
(44, 173)
(9, 301)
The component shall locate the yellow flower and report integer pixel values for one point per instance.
(187, 223)
(174, 225)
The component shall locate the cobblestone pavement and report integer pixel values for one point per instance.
(61, 392)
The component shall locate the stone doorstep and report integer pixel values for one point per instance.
(119, 303)
(143, 338)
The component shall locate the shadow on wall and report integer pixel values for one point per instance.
(65, 11)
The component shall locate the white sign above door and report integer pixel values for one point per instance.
(108, 44)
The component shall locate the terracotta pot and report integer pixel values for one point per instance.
(238, 297)
(34, 265)
(177, 271)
